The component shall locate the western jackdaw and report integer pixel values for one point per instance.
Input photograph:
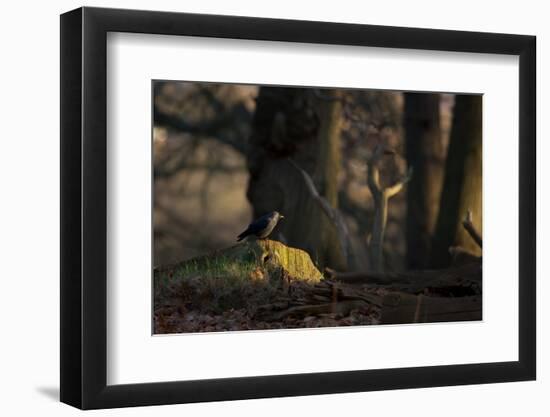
(262, 227)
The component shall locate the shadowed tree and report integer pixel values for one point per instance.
(462, 187)
(329, 157)
(381, 196)
(424, 152)
(294, 161)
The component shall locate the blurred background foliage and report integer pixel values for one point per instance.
(227, 153)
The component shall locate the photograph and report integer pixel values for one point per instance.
(282, 207)
(255, 206)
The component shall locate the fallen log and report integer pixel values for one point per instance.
(458, 280)
(401, 308)
(342, 308)
(349, 292)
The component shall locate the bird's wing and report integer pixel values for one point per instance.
(260, 224)
(256, 226)
(265, 218)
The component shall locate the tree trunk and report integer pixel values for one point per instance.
(424, 152)
(378, 231)
(329, 153)
(462, 187)
(295, 124)
(381, 196)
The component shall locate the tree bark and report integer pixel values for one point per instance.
(381, 196)
(462, 187)
(329, 154)
(424, 153)
(295, 124)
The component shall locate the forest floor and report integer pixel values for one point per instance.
(183, 315)
(267, 285)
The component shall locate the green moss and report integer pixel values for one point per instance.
(296, 262)
(244, 275)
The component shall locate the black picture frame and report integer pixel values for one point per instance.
(84, 207)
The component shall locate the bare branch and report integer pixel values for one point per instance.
(332, 213)
(398, 186)
(373, 180)
(470, 228)
(342, 308)
(381, 196)
(212, 128)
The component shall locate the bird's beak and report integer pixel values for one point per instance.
(282, 217)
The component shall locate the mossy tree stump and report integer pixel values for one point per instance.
(249, 273)
(271, 254)
(266, 254)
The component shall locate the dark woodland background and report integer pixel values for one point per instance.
(225, 154)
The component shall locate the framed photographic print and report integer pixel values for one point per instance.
(257, 208)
